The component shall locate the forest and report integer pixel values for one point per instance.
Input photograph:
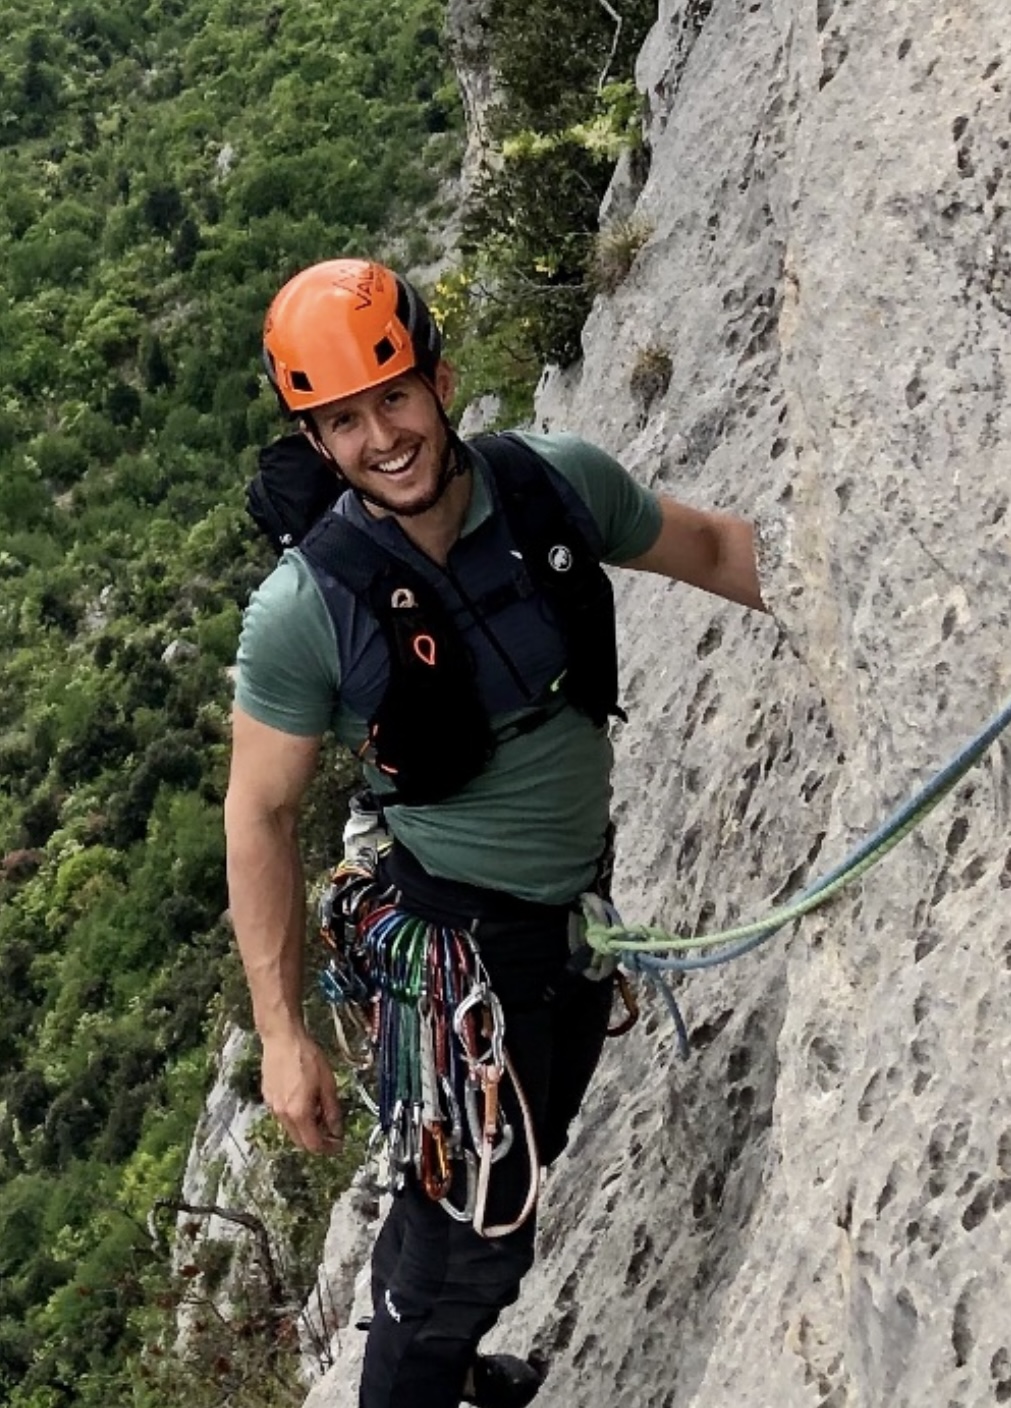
(163, 169)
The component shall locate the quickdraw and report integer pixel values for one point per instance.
(413, 998)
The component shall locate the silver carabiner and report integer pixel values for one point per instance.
(398, 1139)
(455, 1135)
(497, 1030)
(466, 1213)
(481, 995)
(475, 998)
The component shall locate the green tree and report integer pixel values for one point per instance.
(164, 208)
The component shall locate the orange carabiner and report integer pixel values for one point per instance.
(626, 1023)
(436, 1174)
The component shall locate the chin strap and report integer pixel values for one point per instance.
(455, 448)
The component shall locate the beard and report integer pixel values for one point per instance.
(448, 469)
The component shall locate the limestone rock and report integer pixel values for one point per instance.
(178, 651)
(224, 1169)
(479, 414)
(812, 1210)
(341, 1296)
(816, 1208)
(466, 22)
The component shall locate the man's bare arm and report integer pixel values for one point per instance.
(269, 776)
(714, 551)
(270, 773)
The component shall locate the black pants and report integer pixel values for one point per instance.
(437, 1286)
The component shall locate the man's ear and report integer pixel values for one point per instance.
(445, 384)
(308, 428)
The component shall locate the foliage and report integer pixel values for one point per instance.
(530, 231)
(242, 1333)
(615, 249)
(651, 374)
(162, 170)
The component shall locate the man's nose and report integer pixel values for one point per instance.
(380, 432)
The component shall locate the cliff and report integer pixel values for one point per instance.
(813, 1209)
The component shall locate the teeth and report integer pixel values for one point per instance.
(393, 466)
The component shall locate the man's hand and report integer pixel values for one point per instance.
(300, 1090)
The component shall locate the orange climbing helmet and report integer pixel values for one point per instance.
(342, 326)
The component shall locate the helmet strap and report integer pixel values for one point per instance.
(454, 447)
(312, 435)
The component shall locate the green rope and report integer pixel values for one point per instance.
(645, 938)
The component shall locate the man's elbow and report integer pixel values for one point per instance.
(248, 815)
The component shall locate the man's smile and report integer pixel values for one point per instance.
(399, 464)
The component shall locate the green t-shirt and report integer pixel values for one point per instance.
(533, 821)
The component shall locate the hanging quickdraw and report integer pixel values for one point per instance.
(342, 980)
(413, 998)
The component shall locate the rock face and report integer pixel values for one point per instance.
(225, 1170)
(815, 1209)
(465, 27)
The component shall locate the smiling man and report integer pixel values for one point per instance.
(450, 621)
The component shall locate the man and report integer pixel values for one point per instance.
(497, 854)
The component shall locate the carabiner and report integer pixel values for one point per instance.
(436, 1172)
(481, 1134)
(466, 1213)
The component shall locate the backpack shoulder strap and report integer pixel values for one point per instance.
(349, 556)
(564, 565)
(535, 508)
(429, 734)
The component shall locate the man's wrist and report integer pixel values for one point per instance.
(281, 1027)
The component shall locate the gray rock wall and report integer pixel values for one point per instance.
(814, 1210)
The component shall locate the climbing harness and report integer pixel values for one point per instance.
(651, 951)
(413, 997)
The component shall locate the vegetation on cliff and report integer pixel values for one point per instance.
(567, 109)
(162, 170)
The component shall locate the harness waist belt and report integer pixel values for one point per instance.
(440, 900)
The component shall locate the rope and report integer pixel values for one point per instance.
(640, 946)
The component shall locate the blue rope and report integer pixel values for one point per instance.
(888, 834)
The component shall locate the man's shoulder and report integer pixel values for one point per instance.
(286, 607)
(286, 587)
(564, 450)
(582, 466)
(287, 664)
(626, 514)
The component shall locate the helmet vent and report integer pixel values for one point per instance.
(384, 350)
(300, 382)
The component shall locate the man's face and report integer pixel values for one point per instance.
(390, 441)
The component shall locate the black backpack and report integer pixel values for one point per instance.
(430, 734)
(294, 487)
